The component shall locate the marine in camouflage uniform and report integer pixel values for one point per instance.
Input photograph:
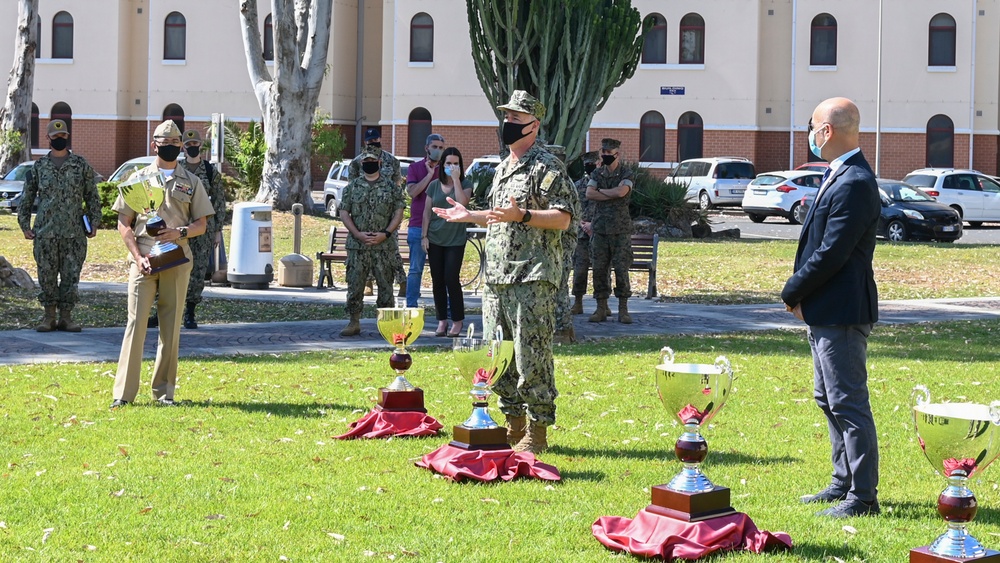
(610, 189)
(203, 246)
(581, 256)
(372, 211)
(565, 333)
(523, 268)
(64, 184)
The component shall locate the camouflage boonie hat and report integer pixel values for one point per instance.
(610, 144)
(55, 127)
(558, 150)
(167, 130)
(525, 103)
(591, 156)
(191, 135)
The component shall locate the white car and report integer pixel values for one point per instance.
(780, 194)
(973, 194)
(483, 163)
(12, 185)
(714, 181)
(132, 164)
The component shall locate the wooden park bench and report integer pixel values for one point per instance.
(336, 251)
(644, 252)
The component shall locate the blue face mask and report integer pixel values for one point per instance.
(447, 170)
(813, 147)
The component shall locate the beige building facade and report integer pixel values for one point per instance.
(717, 77)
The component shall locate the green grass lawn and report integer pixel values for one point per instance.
(249, 470)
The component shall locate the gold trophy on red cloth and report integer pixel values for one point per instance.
(400, 326)
(959, 440)
(144, 194)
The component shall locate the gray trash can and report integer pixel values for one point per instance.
(251, 255)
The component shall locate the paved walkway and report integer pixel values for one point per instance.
(650, 317)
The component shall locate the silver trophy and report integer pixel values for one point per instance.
(482, 361)
(694, 393)
(144, 194)
(959, 440)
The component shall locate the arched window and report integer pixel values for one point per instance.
(941, 41)
(62, 111)
(62, 36)
(692, 40)
(34, 125)
(823, 41)
(654, 42)
(689, 136)
(421, 39)
(174, 37)
(418, 130)
(176, 113)
(269, 38)
(651, 130)
(940, 142)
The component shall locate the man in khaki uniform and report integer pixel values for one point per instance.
(185, 209)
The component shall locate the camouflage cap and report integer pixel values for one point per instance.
(55, 127)
(591, 156)
(525, 103)
(370, 152)
(191, 135)
(167, 130)
(558, 150)
(610, 144)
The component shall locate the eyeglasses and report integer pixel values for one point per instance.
(821, 123)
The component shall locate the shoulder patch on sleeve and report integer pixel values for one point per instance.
(549, 178)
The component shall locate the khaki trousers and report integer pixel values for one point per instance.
(142, 290)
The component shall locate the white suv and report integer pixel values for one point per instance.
(715, 181)
(973, 194)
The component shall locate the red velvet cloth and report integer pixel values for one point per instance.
(486, 465)
(652, 535)
(383, 424)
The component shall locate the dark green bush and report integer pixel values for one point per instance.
(661, 201)
(109, 193)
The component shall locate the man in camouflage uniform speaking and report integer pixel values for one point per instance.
(610, 190)
(531, 204)
(63, 182)
(203, 246)
(372, 209)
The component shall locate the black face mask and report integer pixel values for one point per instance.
(513, 132)
(608, 159)
(168, 153)
(377, 144)
(192, 151)
(369, 167)
(58, 143)
(590, 167)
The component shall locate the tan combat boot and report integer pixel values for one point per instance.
(369, 290)
(516, 428)
(564, 336)
(577, 306)
(602, 312)
(66, 321)
(534, 441)
(402, 289)
(353, 328)
(607, 309)
(623, 316)
(48, 323)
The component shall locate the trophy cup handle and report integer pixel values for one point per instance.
(666, 355)
(995, 412)
(922, 395)
(723, 364)
(471, 333)
(498, 335)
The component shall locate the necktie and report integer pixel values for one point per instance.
(826, 175)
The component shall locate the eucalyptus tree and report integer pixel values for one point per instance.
(15, 115)
(570, 55)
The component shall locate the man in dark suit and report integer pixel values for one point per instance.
(833, 292)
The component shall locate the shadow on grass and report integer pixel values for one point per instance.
(810, 551)
(295, 410)
(595, 476)
(714, 457)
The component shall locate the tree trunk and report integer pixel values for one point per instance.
(288, 100)
(15, 115)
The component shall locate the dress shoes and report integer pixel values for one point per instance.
(829, 494)
(118, 403)
(165, 402)
(851, 508)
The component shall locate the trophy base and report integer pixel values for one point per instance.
(480, 438)
(167, 259)
(401, 400)
(690, 507)
(924, 555)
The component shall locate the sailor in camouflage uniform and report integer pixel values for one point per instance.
(565, 333)
(531, 204)
(372, 210)
(388, 168)
(581, 257)
(610, 188)
(203, 246)
(64, 184)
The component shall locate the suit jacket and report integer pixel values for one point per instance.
(833, 279)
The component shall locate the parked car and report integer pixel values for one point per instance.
(814, 166)
(779, 194)
(336, 180)
(12, 184)
(487, 162)
(973, 194)
(133, 164)
(715, 181)
(909, 213)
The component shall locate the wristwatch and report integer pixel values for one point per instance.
(183, 231)
(526, 217)
(387, 234)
